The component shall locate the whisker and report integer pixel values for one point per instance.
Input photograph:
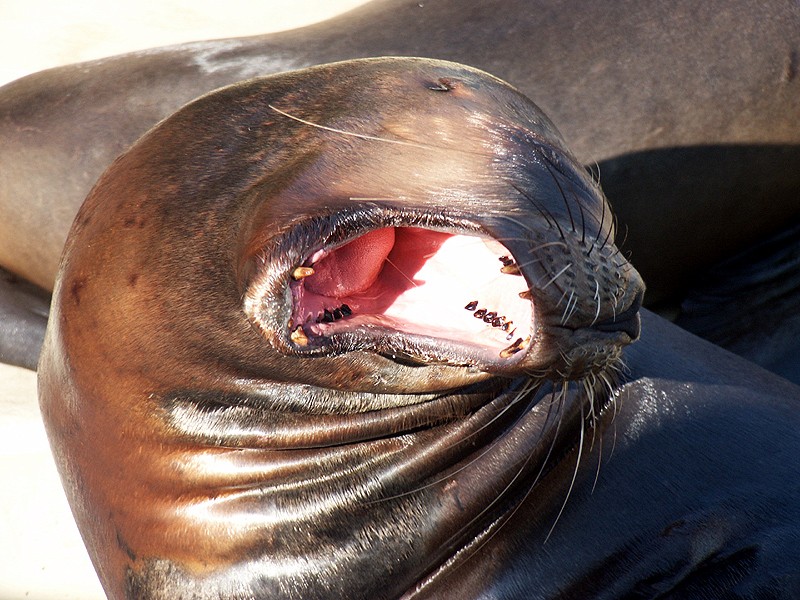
(572, 311)
(549, 167)
(572, 296)
(624, 237)
(583, 218)
(401, 142)
(572, 482)
(519, 473)
(594, 171)
(561, 298)
(557, 275)
(611, 229)
(600, 229)
(590, 393)
(411, 281)
(495, 527)
(350, 133)
(566, 308)
(528, 391)
(597, 472)
(542, 209)
(597, 299)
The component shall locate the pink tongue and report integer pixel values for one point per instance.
(353, 267)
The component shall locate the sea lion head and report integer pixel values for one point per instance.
(297, 321)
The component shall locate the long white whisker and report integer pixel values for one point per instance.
(524, 393)
(572, 311)
(574, 477)
(349, 133)
(557, 275)
(597, 299)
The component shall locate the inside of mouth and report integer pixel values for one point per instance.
(461, 288)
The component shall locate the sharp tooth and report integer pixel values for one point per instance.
(489, 317)
(346, 310)
(497, 321)
(299, 336)
(512, 349)
(337, 313)
(512, 269)
(301, 272)
(472, 305)
(526, 295)
(478, 314)
(327, 316)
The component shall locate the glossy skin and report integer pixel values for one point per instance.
(24, 309)
(678, 141)
(206, 450)
(699, 407)
(686, 439)
(687, 489)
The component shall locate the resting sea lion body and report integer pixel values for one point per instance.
(680, 141)
(227, 451)
(687, 489)
(296, 338)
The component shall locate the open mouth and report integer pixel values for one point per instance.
(428, 287)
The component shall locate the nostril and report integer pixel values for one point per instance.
(625, 322)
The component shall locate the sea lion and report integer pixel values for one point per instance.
(687, 489)
(679, 141)
(23, 314)
(750, 304)
(301, 329)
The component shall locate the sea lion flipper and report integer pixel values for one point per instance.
(24, 309)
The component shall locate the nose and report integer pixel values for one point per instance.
(625, 322)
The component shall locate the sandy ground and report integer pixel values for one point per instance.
(41, 555)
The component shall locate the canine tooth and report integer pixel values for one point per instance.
(299, 336)
(526, 295)
(472, 305)
(511, 269)
(301, 272)
(512, 349)
(479, 313)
